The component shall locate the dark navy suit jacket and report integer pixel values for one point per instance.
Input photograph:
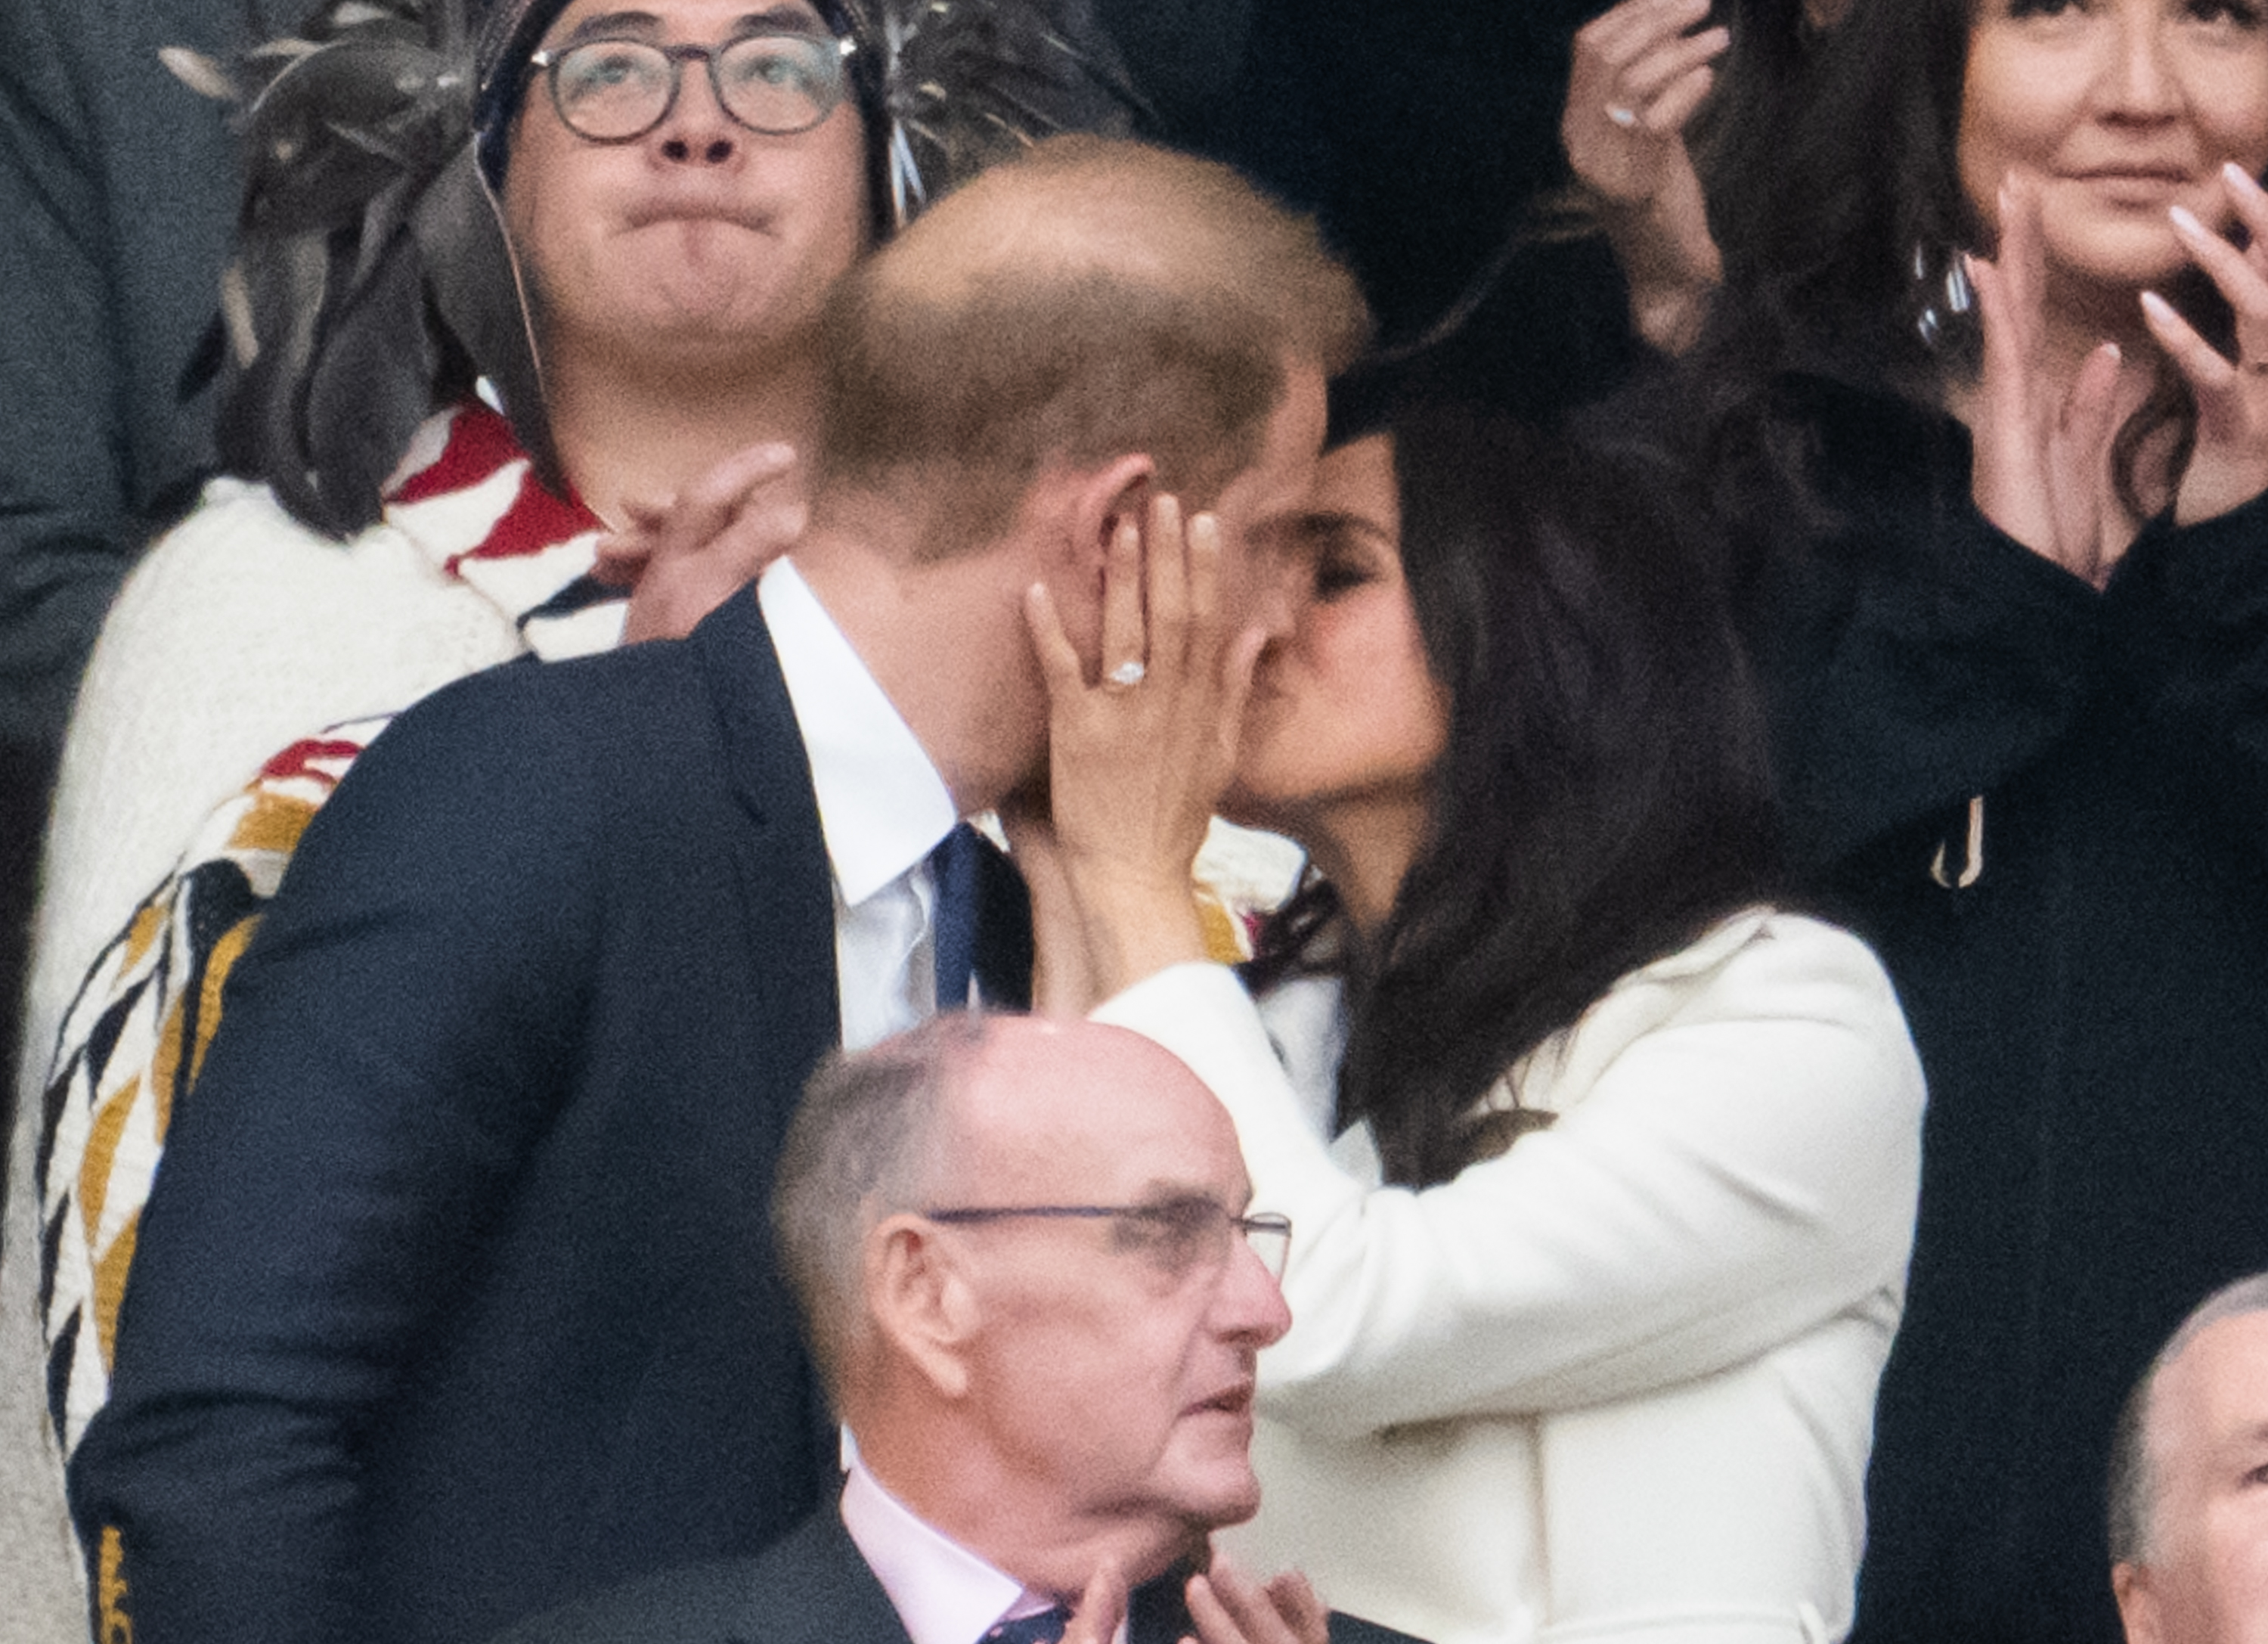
(456, 1296)
(814, 1588)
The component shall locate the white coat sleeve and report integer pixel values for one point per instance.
(1743, 1167)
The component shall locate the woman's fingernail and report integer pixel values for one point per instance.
(2186, 221)
(2238, 175)
(2157, 307)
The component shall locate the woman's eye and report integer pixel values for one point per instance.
(2241, 13)
(2044, 8)
(1337, 575)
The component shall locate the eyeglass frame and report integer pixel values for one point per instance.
(1270, 1223)
(678, 56)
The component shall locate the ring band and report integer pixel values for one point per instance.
(1622, 116)
(1126, 675)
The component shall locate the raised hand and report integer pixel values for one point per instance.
(2229, 465)
(1138, 757)
(684, 558)
(1640, 73)
(2043, 450)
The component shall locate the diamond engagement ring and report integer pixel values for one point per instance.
(1126, 675)
(1623, 117)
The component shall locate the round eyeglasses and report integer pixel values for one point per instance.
(617, 91)
(1177, 1235)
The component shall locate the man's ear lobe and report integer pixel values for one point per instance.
(1110, 496)
(2137, 1604)
(921, 1305)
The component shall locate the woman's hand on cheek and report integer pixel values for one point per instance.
(2230, 466)
(1139, 758)
(2043, 456)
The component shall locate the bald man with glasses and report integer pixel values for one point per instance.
(1037, 1292)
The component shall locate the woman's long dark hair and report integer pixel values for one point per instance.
(1603, 797)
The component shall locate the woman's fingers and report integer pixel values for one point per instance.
(2078, 455)
(1667, 114)
(1615, 38)
(2040, 455)
(2210, 375)
(2236, 275)
(1125, 644)
(1653, 74)
(1637, 76)
(2250, 202)
(2228, 464)
(1166, 550)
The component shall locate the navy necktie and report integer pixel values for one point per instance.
(1047, 1628)
(954, 865)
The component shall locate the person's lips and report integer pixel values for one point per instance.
(1234, 1400)
(689, 208)
(2139, 178)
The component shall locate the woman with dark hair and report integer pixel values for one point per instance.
(1601, 1169)
(2003, 573)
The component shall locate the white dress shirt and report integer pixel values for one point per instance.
(942, 1592)
(883, 809)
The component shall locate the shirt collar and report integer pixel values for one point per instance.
(882, 805)
(942, 1592)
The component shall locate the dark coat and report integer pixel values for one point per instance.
(814, 1588)
(2091, 1010)
(456, 1294)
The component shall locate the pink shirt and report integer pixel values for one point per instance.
(942, 1592)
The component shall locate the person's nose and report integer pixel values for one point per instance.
(2138, 83)
(1249, 1306)
(1275, 597)
(696, 131)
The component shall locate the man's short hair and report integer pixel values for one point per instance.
(2134, 1484)
(1085, 299)
(864, 1144)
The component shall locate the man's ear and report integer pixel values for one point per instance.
(2137, 1603)
(1105, 497)
(923, 1306)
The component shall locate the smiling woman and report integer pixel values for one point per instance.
(2121, 110)
(1988, 413)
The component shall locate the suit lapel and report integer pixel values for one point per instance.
(780, 857)
(815, 1588)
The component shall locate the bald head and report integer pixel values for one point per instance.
(1088, 299)
(2189, 1507)
(961, 1100)
(1048, 1351)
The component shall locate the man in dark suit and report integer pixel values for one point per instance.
(454, 1296)
(1027, 1261)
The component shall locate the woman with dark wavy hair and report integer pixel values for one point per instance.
(1600, 1218)
(2006, 577)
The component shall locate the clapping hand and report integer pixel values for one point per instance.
(2043, 449)
(2229, 465)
